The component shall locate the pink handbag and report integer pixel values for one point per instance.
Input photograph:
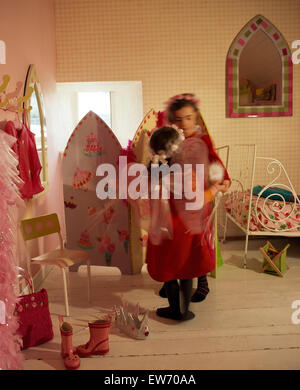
(32, 311)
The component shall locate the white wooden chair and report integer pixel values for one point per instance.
(64, 258)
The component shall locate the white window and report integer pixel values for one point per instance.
(98, 102)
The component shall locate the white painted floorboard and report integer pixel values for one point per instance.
(244, 323)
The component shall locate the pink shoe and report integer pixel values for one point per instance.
(98, 343)
(71, 360)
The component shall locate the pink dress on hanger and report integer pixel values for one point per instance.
(29, 163)
(11, 130)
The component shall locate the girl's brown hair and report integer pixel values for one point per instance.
(161, 137)
(181, 102)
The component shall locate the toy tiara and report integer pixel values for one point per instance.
(129, 322)
(184, 96)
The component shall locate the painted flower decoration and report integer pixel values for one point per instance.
(105, 240)
(108, 214)
(111, 248)
(104, 243)
(123, 235)
(102, 248)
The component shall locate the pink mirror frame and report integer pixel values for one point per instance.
(233, 109)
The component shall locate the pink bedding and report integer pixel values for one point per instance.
(271, 214)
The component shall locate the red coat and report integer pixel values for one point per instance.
(183, 257)
(186, 255)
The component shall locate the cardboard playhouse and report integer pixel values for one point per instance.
(108, 230)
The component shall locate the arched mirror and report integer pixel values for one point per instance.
(259, 72)
(36, 120)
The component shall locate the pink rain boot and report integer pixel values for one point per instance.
(71, 360)
(98, 343)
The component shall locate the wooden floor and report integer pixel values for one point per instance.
(245, 322)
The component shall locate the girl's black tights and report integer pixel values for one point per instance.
(200, 293)
(179, 299)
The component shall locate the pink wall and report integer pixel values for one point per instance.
(28, 29)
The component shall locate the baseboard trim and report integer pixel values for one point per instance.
(234, 238)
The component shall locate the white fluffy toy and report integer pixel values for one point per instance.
(216, 172)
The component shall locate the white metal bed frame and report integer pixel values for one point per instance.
(245, 180)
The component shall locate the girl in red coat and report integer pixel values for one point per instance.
(180, 249)
(183, 111)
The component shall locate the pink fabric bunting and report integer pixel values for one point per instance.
(10, 355)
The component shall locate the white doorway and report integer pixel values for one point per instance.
(118, 103)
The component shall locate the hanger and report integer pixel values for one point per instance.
(17, 122)
(4, 103)
(14, 94)
(6, 80)
(15, 106)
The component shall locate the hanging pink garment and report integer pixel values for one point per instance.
(11, 130)
(10, 354)
(35, 164)
(29, 163)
